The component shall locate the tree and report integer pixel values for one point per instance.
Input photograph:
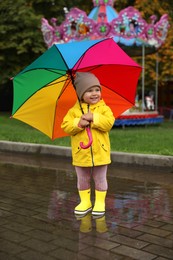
(20, 36)
(20, 41)
(55, 8)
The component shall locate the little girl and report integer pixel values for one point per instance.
(91, 162)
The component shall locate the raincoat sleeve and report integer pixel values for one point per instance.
(103, 120)
(70, 123)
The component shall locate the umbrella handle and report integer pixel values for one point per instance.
(82, 145)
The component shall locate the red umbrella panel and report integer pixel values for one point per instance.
(44, 91)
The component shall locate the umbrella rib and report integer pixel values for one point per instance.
(53, 82)
(62, 57)
(83, 55)
(53, 71)
(64, 88)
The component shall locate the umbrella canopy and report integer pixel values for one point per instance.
(44, 91)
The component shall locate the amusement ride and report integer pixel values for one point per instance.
(130, 31)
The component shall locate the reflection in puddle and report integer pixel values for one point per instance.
(134, 205)
(136, 208)
(60, 203)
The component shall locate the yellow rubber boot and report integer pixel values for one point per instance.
(86, 224)
(99, 207)
(101, 226)
(85, 205)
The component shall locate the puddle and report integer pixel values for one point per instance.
(38, 196)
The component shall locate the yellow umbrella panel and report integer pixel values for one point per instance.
(41, 109)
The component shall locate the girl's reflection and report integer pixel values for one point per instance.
(128, 208)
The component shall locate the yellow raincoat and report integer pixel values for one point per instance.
(103, 120)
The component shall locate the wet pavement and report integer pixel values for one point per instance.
(37, 198)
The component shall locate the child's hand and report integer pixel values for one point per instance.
(88, 116)
(83, 123)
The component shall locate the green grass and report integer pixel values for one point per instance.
(153, 139)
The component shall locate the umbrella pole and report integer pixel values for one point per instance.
(143, 77)
(157, 81)
(82, 145)
(72, 79)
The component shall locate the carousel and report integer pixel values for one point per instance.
(130, 31)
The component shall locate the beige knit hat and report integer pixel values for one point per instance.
(84, 81)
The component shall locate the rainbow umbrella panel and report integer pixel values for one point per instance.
(44, 91)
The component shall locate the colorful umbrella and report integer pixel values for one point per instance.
(44, 91)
